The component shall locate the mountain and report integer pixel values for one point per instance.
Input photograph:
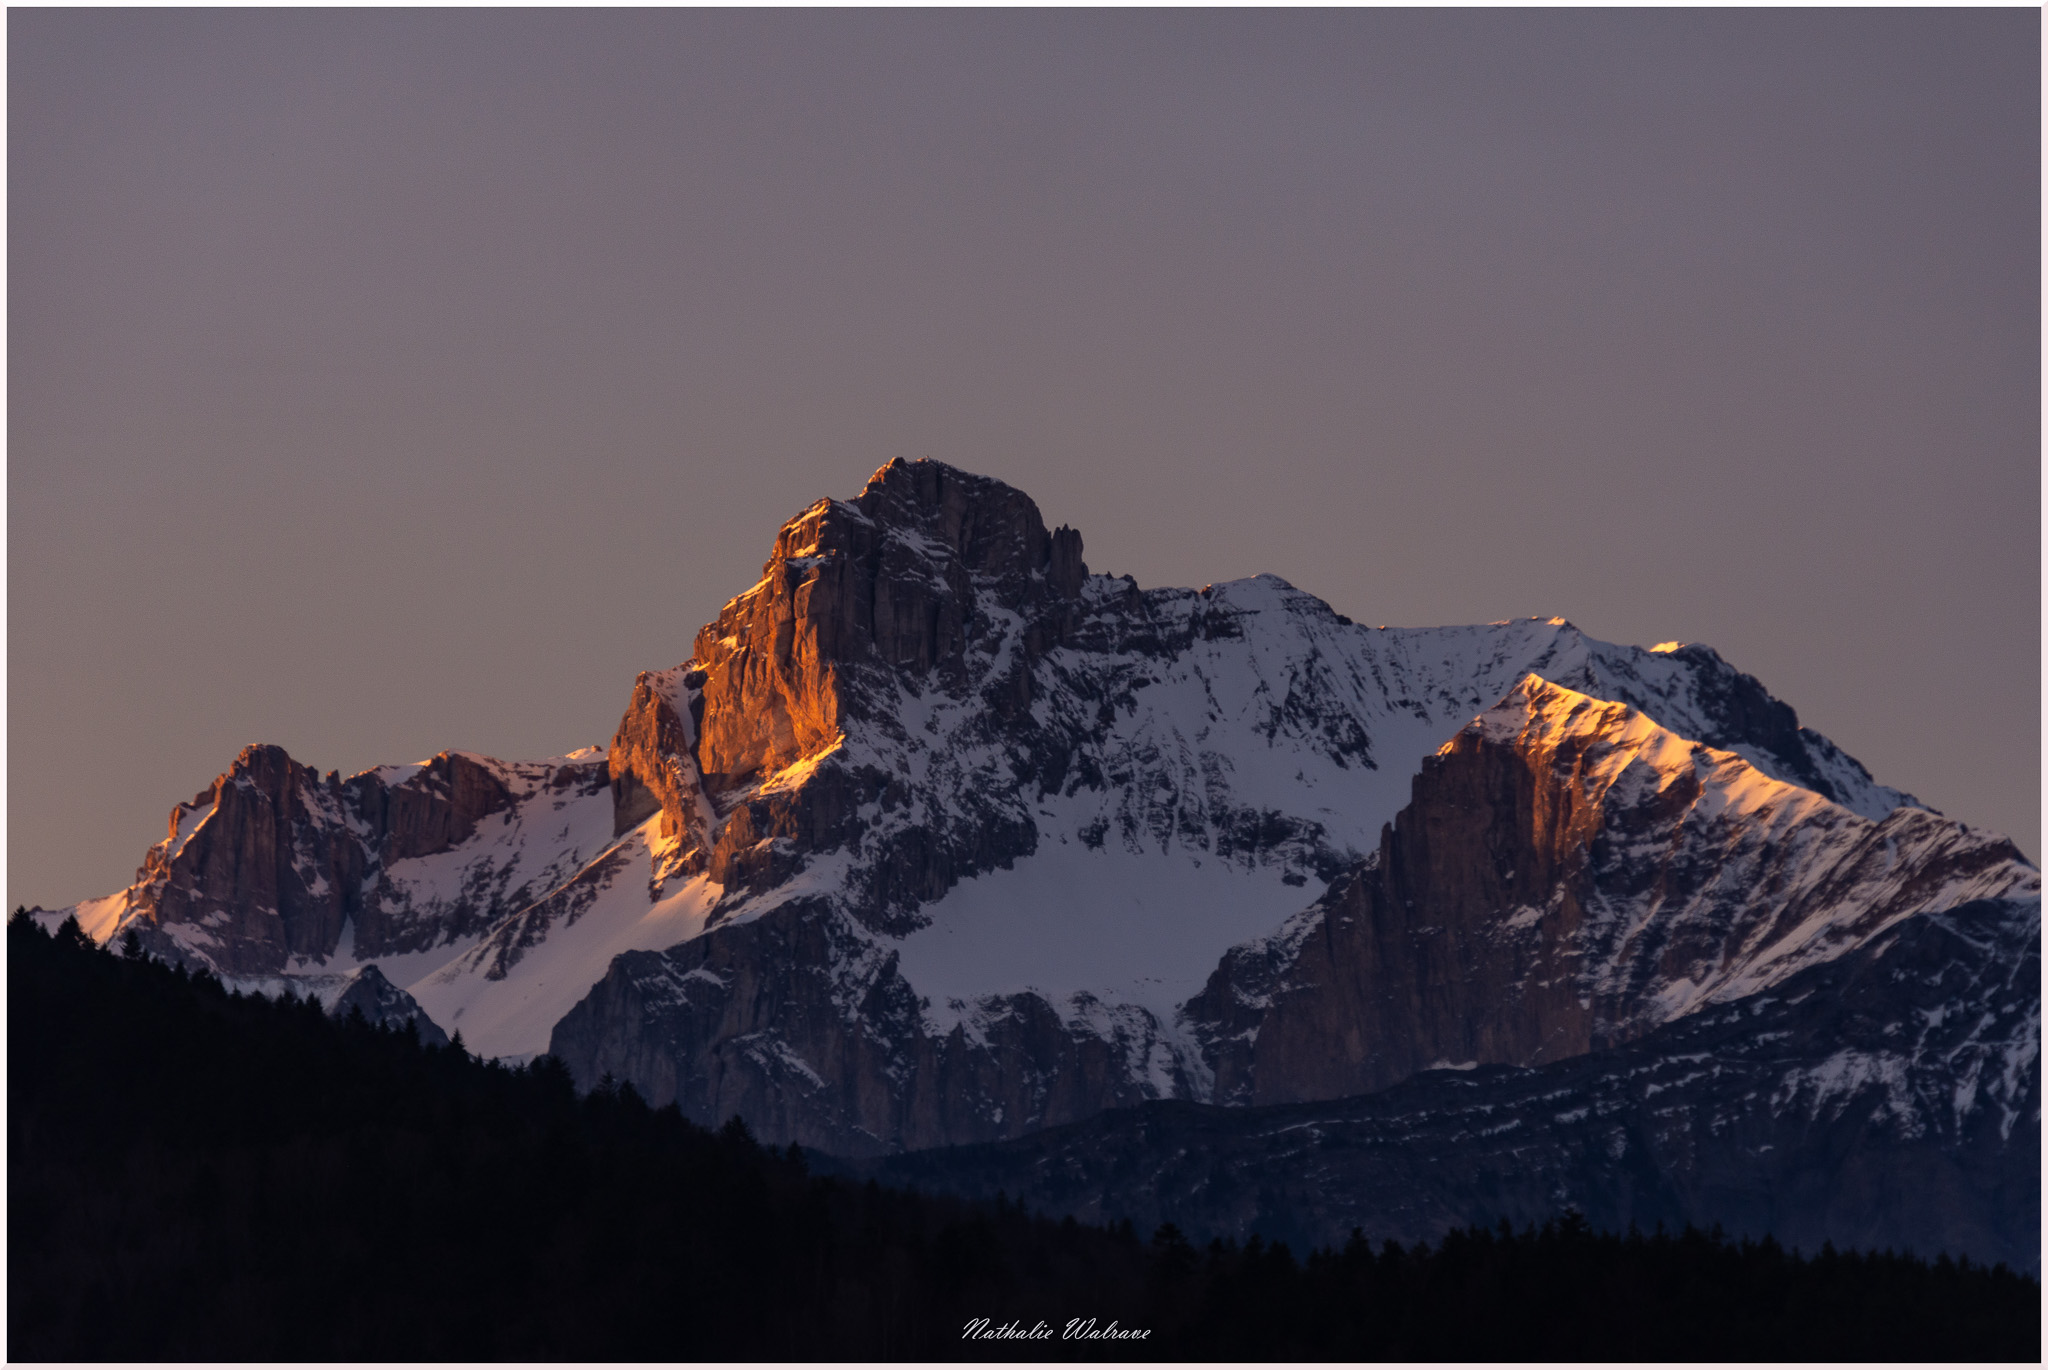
(939, 838)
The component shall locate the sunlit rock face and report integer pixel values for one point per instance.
(274, 867)
(940, 838)
(265, 864)
(911, 577)
(932, 581)
(1569, 876)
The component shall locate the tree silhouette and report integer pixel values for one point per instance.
(196, 1176)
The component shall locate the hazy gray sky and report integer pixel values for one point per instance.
(384, 382)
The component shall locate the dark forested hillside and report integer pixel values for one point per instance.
(197, 1175)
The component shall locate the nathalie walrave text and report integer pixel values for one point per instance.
(1077, 1329)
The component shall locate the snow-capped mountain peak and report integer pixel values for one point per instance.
(938, 836)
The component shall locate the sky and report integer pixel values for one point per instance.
(384, 382)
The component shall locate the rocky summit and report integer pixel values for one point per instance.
(938, 838)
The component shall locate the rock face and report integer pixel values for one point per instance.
(1567, 877)
(889, 582)
(384, 1004)
(1888, 1097)
(806, 1028)
(272, 864)
(265, 863)
(932, 576)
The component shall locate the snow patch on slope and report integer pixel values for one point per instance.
(509, 1012)
(1129, 928)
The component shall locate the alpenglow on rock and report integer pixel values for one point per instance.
(937, 837)
(1570, 876)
